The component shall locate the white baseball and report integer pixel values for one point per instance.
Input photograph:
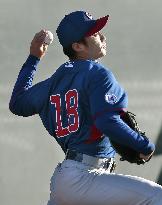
(49, 38)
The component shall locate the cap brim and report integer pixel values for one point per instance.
(100, 23)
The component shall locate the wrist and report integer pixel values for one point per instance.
(32, 60)
(34, 57)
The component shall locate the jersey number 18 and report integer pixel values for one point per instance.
(72, 111)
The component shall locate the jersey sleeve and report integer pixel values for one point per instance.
(27, 100)
(107, 98)
(105, 93)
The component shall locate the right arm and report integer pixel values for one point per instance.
(26, 99)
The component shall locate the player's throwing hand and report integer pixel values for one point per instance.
(38, 48)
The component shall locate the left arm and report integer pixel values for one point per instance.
(107, 100)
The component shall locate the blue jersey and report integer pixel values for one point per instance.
(79, 105)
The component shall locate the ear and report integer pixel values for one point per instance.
(78, 47)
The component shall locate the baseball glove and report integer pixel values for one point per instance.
(126, 152)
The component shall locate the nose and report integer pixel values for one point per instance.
(102, 37)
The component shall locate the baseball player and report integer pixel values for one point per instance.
(80, 106)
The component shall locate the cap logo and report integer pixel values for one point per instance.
(89, 15)
(110, 98)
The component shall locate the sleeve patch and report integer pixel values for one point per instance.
(110, 98)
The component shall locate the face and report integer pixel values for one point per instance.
(96, 46)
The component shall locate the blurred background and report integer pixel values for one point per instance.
(28, 155)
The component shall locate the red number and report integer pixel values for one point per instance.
(72, 110)
(60, 131)
(71, 99)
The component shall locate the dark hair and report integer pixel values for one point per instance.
(70, 52)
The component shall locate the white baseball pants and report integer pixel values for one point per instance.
(74, 183)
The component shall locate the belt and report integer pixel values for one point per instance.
(105, 163)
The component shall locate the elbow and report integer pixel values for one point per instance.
(12, 107)
(16, 108)
(107, 124)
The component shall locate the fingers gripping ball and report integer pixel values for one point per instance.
(48, 38)
(40, 43)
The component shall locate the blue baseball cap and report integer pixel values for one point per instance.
(77, 25)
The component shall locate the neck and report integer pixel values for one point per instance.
(83, 57)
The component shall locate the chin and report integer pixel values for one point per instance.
(102, 53)
(99, 56)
